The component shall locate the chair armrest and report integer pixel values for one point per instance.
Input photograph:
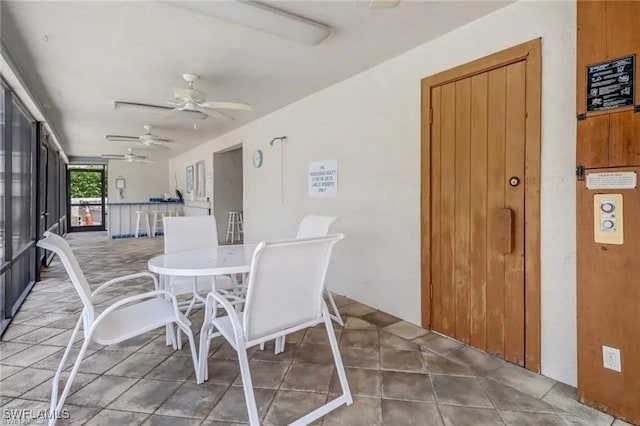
(210, 307)
(127, 278)
(147, 295)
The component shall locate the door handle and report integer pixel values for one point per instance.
(504, 234)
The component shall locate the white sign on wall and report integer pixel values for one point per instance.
(323, 179)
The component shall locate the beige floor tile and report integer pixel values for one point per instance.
(406, 386)
(145, 396)
(192, 400)
(363, 412)
(289, 406)
(438, 344)
(101, 392)
(362, 382)
(308, 377)
(410, 413)
(469, 416)
(232, 406)
(405, 330)
(458, 390)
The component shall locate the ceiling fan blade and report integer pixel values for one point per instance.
(120, 138)
(144, 161)
(216, 114)
(175, 104)
(139, 106)
(157, 108)
(113, 156)
(227, 105)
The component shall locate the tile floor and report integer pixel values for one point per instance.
(399, 373)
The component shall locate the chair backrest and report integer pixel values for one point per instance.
(286, 284)
(59, 246)
(189, 233)
(315, 226)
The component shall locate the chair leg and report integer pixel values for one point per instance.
(192, 346)
(203, 353)
(56, 377)
(336, 357)
(72, 375)
(336, 313)
(247, 385)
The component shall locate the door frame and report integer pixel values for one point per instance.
(103, 204)
(530, 52)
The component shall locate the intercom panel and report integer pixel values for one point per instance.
(608, 225)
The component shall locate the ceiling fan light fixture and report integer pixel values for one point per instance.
(263, 17)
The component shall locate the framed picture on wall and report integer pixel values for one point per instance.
(200, 179)
(189, 178)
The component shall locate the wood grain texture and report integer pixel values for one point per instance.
(478, 211)
(448, 208)
(514, 199)
(425, 204)
(495, 200)
(451, 240)
(436, 218)
(592, 149)
(624, 138)
(608, 313)
(591, 50)
(461, 221)
(533, 148)
(607, 287)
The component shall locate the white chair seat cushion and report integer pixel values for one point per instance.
(133, 320)
(224, 326)
(184, 285)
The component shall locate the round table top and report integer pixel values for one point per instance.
(222, 260)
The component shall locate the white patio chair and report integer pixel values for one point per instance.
(318, 226)
(313, 226)
(189, 233)
(278, 270)
(127, 318)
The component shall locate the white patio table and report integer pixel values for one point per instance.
(222, 260)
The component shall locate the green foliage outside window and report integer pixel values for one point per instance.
(85, 184)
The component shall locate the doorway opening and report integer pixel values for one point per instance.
(480, 197)
(87, 197)
(227, 195)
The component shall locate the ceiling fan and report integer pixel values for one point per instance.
(192, 101)
(147, 140)
(129, 156)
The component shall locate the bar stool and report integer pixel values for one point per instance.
(235, 227)
(139, 213)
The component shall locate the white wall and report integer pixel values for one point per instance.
(227, 187)
(142, 181)
(370, 123)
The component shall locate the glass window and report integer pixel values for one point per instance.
(3, 225)
(21, 179)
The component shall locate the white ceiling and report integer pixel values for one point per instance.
(78, 57)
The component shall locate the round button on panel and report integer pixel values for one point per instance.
(607, 207)
(607, 224)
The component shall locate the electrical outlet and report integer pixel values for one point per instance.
(611, 358)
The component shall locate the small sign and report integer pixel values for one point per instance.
(611, 84)
(616, 180)
(323, 179)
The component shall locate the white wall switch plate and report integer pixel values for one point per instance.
(611, 358)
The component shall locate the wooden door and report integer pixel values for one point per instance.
(477, 210)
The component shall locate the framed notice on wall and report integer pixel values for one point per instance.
(323, 179)
(611, 84)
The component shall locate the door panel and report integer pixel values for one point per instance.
(478, 143)
(447, 202)
(461, 218)
(478, 200)
(496, 107)
(514, 199)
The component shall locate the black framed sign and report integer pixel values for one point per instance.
(611, 84)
